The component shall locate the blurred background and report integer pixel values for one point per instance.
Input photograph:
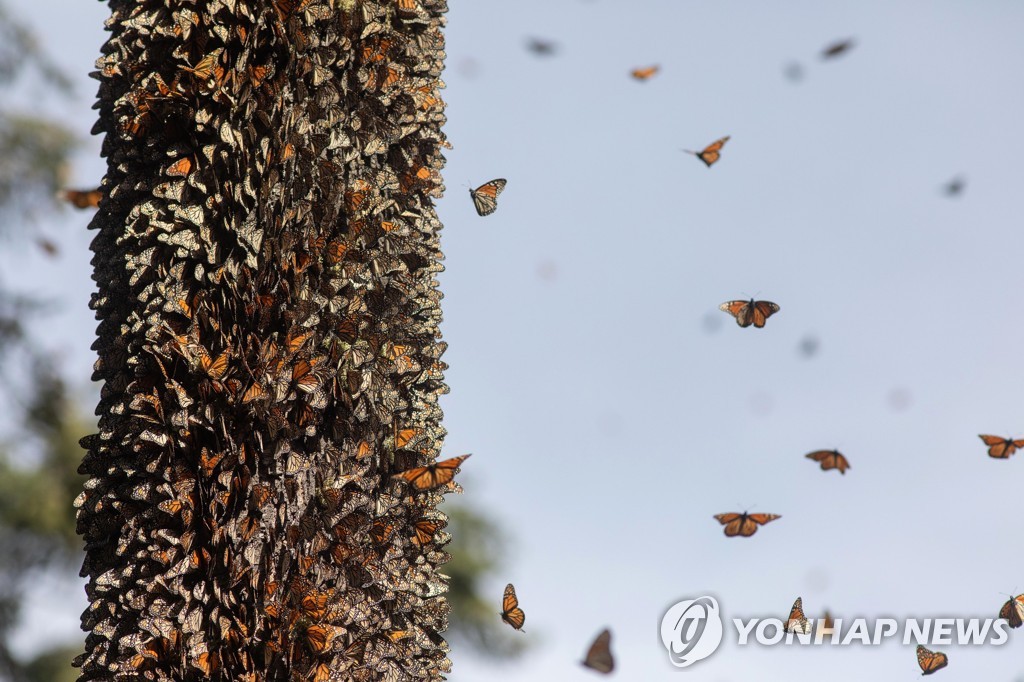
(612, 409)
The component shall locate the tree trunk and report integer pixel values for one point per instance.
(268, 341)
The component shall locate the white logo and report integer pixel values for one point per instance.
(691, 630)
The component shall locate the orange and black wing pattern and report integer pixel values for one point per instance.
(744, 525)
(829, 459)
(712, 153)
(82, 198)
(510, 611)
(1013, 611)
(797, 621)
(644, 72)
(433, 475)
(930, 661)
(485, 197)
(599, 655)
(750, 312)
(1001, 448)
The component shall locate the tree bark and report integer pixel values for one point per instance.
(268, 343)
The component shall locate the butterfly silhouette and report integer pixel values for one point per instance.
(599, 655)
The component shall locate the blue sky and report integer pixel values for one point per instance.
(610, 419)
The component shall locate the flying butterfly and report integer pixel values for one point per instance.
(1001, 448)
(750, 312)
(743, 524)
(797, 621)
(710, 154)
(829, 459)
(599, 655)
(827, 622)
(81, 198)
(930, 661)
(541, 47)
(837, 48)
(433, 475)
(1013, 611)
(485, 197)
(643, 73)
(954, 187)
(510, 611)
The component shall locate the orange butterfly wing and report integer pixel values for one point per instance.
(797, 621)
(510, 611)
(82, 199)
(599, 655)
(433, 475)
(930, 661)
(999, 447)
(762, 311)
(744, 525)
(642, 74)
(830, 459)
(1013, 611)
(740, 310)
(485, 197)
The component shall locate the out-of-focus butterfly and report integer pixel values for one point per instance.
(1001, 448)
(930, 661)
(541, 47)
(599, 655)
(744, 524)
(1013, 611)
(485, 197)
(433, 475)
(797, 621)
(829, 459)
(82, 198)
(827, 622)
(954, 187)
(837, 48)
(710, 154)
(750, 312)
(645, 72)
(510, 611)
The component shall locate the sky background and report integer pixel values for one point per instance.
(613, 410)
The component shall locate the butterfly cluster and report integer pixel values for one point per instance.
(262, 493)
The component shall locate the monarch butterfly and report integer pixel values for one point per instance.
(432, 475)
(426, 529)
(837, 48)
(485, 197)
(1013, 611)
(827, 622)
(642, 74)
(930, 661)
(750, 312)
(744, 524)
(599, 655)
(829, 459)
(797, 621)
(710, 154)
(1001, 448)
(510, 611)
(82, 199)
